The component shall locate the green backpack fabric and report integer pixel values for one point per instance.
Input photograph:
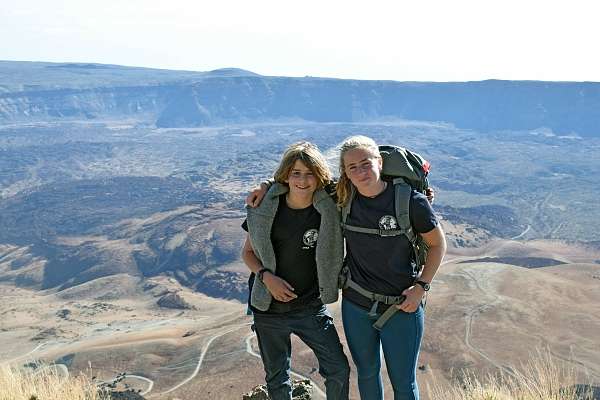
(407, 171)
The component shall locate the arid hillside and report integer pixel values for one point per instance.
(481, 317)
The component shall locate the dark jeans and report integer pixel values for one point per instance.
(400, 339)
(314, 326)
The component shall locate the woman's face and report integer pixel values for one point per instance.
(301, 180)
(362, 168)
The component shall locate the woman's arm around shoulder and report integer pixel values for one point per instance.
(256, 195)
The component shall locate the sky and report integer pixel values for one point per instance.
(403, 40)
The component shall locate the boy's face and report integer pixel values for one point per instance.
(301, 180)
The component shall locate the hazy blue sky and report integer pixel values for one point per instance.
(445, 40)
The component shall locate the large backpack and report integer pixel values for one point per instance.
(407, 171)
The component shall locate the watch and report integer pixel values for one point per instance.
(425, 285)
(260, 273)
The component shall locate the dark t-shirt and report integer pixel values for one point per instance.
(383, 265)
(294, 237)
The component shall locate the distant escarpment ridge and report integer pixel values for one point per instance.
(31, 92)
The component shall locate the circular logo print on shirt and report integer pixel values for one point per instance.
(310, 237)
(388, 222)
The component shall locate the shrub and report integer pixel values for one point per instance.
(46, 382)
(543, 377)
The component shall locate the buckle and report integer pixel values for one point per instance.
(373, 311)
(384, 233)
(383, 298)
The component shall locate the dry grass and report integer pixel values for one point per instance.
(541, 378)
(45, 383)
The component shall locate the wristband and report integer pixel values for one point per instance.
(260, 273)
(425, 285)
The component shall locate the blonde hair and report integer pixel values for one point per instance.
(344, 186)
(310, 156)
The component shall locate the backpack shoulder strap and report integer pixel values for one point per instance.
(360, 229)
(346, 208)
(402, 194)
(380, 232)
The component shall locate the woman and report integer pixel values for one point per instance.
(383, 265)
(294, 247)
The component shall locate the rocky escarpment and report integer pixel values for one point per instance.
(174, 300)
(204, 99)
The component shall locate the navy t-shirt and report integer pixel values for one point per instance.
(383, 265)
(294, 236)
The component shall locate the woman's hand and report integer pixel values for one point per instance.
(436, 242)
(279, 288)
(256, 195)
(430, 193)
(414, 295)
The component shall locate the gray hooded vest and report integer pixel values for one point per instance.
(330, 245)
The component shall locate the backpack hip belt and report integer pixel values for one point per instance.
(376, 298)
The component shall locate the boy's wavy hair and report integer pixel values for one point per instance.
(344, 186)
(310, 156)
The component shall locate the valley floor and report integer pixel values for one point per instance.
(485, 314)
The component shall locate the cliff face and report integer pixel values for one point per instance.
(93, 103)
(176, 99)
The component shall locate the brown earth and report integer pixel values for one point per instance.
(481, 317)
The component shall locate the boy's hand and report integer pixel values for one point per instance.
(279, 288)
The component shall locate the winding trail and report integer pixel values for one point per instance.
(469, 324)
(544, 226)
(251, 351)
(180, 365)
(482, 307)
(39, 346)
(143, 378)
(520, 235)
(473, 313)
(202, 355)
(470, 318)
(150, 383)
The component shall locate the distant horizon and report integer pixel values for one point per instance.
(434, 41)
(286, 76)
